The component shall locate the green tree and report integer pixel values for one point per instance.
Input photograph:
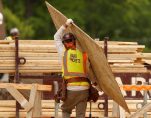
(127, 20)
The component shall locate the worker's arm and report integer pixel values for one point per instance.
(58, 41)
(58, 37)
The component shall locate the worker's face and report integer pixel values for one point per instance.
(14, 35)
(69, 44)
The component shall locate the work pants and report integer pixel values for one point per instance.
(77, 100)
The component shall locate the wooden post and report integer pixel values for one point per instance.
(115, 110)
(32, 100)
(37, 109)
(122, 112)
(56, 88)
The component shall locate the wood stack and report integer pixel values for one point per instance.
(8, 107)
(41, 56)
(125, 57)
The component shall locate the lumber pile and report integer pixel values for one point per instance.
(41, 56)
(32, 106)
(7, 109)
(125, 57)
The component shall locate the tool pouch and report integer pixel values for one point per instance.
(93, 94)
(62, 93)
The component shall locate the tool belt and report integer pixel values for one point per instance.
(77, 79)
(62, 93)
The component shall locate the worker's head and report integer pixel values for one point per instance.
(14, 32)
(69, 41)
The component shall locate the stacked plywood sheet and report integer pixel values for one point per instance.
(41, 56)
(8, 107)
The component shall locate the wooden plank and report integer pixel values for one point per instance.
(125, 56)
(52, 50)
(19, 97)
(37, 110)
(147, 61)
(32, 100)
(28, 54)
(5, 42)
(118, 43)
(113, 48)
(49, 68)
(30, 62)
(33, 71)
(98, 60)
(115, 70)
(115, 110)
(26, 86)
(37, 42)
(146, 55)
(141, 111)
(32, 58)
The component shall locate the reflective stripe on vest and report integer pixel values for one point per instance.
(74, 63)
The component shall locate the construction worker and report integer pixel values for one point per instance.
(73, 71)
(14, 32)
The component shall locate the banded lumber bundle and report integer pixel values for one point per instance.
(8, 108)
(41, 56)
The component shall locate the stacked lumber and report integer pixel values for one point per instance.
(41, 56)
(8, 107)
(125, 56)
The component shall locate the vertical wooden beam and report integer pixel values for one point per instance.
(32, 100)
(122, 112)
(115, 110)
(37, 109)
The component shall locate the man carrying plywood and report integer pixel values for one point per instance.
(74, 72)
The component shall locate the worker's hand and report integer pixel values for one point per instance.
(68, 23)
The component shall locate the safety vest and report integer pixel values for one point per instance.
(74, 65)
(9, 38)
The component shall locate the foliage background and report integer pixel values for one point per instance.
(124, 20)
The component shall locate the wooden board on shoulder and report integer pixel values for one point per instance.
(100, 66)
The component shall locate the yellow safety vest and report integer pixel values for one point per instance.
(74, 65)
(9, 38)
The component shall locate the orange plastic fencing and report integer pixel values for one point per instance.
(135, 87)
